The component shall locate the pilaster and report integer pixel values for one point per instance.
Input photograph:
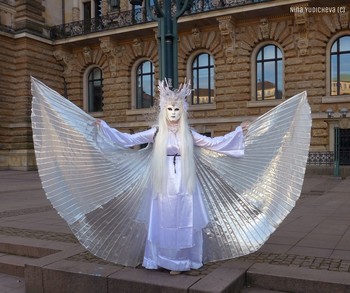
(226, 27)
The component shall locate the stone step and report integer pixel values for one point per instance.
(16, 252)
(54, 267)
(297, 279)
(259, 290)
(13, 264)
(66, 276)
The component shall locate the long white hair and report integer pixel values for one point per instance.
(159, 158)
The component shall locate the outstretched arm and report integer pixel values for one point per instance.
(125, 139)
(231, 144)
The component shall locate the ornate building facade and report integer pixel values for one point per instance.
(244, 57)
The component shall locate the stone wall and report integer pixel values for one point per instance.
(22, 58)
(304, 41)
(303, 37)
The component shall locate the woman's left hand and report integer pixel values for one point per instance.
(245, 125)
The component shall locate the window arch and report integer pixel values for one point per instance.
(94, 90)
(269, 73)
(144, 85)
(203, 77)
(340, 66)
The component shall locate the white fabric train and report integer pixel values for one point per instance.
(100, 187)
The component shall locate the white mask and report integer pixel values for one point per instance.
(173, 113)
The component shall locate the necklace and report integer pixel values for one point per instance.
(173, 128)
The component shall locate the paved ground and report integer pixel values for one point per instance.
(315, 236)
(11, 284)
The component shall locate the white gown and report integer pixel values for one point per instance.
(101, 186)
(177, 218)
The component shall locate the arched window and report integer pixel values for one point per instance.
(144, 85)
(340, 66)
(95, 99)
(269, 73)
(203, 79)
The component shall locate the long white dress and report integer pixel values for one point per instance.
(102, 188)
(177, 218)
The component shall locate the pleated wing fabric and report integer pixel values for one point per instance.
(248, 198)
(96, 186)
(103, 190)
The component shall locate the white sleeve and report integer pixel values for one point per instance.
(126, 139)
(231, 144)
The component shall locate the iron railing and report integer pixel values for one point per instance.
(321, 158)
(116, 19)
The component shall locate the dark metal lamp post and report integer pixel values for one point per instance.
(167, 12)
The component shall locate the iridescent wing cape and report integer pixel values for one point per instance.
(102, 189)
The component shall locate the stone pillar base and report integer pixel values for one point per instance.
(22, 160)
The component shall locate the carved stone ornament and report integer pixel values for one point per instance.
(111, 54)
(227, 36)
(301, 22)
(264, 28)
(87, 52)
(300, 15)
(344, 17)
(137, 46)
(196, 36)
(303, 44)
(119, 51)
(66, 59)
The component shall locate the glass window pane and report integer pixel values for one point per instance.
(203, 79)
(211, 85)
(334, 47)
(279, 53)
(146, 67)
(90, 97)
(259, 75)
(340, 66)
(97, 73)
(344, 43)
(344, 78)
(344, 64)
(269, 73)
(334, 75)
(147, 86)
(203, 60)
(95, 99)
(195, 87)
(203, 86)
(259, 57)
(279, 80)
(144, 87)
(269, 52)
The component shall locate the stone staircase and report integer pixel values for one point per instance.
(59, 267)
(276, 278)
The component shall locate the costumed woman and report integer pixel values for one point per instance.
(177, 214)
(186, 199)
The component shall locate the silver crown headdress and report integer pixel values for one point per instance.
(168, 96)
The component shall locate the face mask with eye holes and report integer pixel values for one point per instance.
(173, 113)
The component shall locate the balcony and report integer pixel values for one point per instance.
(116, 19)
